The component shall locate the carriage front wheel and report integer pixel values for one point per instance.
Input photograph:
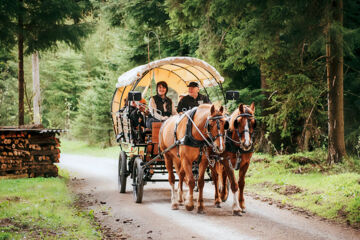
(138, 180)
(122, 172)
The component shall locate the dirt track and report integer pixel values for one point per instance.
(153, 219)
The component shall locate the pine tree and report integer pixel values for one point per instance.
(103, 60)
(8, 93)
(39, 25)
(144, 24)
(64, 81)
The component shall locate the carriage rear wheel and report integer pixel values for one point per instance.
(138, 180)
(122, 172)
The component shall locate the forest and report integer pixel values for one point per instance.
(299, 61)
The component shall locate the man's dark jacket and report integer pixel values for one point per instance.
(188, 102)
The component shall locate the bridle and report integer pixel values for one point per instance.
(210, 140)
(239, 133)
(219, 135)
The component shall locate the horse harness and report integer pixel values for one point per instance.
(234, 146)
(189, 139)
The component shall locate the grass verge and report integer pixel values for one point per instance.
(82, 148)
(42, 208)
(304, 180)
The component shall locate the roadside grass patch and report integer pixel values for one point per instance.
(305, 180)
(82, 148)
(42, 208)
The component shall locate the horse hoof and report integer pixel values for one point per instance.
(217, 205)
(243, 210)
(175, 206)
(237, 213)
(200, 211)
(189, 208)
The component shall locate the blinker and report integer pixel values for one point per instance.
(226, 125)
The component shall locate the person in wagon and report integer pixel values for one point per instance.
(193, 99)
(137, 118)
(138, 113)
(160, 106)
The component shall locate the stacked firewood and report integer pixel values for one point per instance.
(28, 153)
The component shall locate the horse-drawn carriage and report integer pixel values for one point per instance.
(144, 153)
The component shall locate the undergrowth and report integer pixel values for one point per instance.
(330, 191)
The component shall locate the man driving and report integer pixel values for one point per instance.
(193, 99)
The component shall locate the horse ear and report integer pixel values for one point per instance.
(241, 108)
(212, 110)
(221, 110)
(252, 106)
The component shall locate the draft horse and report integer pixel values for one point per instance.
(237, 155)
(192, 132)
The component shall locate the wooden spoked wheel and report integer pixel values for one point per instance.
(122, 172)
(138, 180)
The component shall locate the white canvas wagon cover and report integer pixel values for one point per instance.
(177, 72)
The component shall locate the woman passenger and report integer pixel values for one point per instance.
(160, 106)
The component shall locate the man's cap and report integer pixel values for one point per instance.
(193, 84)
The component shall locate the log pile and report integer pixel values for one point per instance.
(28, 153)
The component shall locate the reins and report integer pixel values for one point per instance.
(211, 138)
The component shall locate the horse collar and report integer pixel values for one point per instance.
(189, 139)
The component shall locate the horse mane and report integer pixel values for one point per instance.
(202, 113)
(204, 109)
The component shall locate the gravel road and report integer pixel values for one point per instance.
(154, 219)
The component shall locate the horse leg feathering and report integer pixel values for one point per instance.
(236, 207)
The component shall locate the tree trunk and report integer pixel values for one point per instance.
(21, 67)
(335, 77)
(36, 87)
(263, 143)
(306, 140)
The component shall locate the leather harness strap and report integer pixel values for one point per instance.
(234, 146)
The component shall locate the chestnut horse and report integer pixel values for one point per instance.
(197, 128)
(237, 154)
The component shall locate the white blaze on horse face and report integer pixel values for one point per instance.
(221, 143)
(247, 134)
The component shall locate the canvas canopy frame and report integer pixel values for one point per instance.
(177, 72)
